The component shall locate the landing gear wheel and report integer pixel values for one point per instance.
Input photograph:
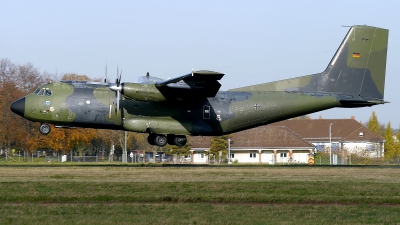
(151, 139)
(160, 140)
(180, 140)
(171, 139)
(44, 128)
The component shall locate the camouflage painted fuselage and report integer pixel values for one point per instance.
(85, 104)
(354, 78)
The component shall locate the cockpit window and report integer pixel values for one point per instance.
(43, 92)
(47, 92)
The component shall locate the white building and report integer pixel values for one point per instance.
(345, 135)
(267, 144)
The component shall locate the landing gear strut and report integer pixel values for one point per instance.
(44, 128)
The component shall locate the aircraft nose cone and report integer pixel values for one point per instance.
(18, 107)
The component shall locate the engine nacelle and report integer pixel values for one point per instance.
(141, 92)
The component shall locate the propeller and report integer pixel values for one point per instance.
(117, 88)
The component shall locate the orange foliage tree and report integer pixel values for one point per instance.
(16, 81)
(16, 132)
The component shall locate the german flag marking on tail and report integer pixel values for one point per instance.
(356, 55)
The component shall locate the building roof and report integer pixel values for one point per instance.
(342, 130)
(259, 137)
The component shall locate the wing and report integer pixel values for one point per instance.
(198, 84)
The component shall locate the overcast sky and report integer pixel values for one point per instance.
(250, 41)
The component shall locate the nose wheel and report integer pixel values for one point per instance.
(44, 128)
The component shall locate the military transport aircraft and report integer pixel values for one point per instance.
(193, 105)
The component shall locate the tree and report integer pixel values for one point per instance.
(389, 143)
(180, 150)
(79, 140)
(219, 143)
(137, 141)
(16, 81)
(18, 133)
(397, 146)
(373, 124)
(73, 76)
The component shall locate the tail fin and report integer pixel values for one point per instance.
(359, 65)
(357, 69)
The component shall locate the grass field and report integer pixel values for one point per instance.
(199, 195)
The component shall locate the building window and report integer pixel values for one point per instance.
(335, 146)
(252, 154)
(320, 147)
(370, 147)
(232, 155)
(361, 134)
(200, 155)
(283, 154)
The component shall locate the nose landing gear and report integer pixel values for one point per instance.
(44, 128)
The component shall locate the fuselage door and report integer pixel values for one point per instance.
(206, 112)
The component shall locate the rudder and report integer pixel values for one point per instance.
(359, 65)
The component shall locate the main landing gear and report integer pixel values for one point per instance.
(44, 128)
(161, 140)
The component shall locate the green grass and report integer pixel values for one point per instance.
(181, 213)
(199, 195)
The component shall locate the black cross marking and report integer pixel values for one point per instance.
(256, 106)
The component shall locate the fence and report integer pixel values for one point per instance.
(349, 159)
(138, 158)
(23, 157)
(67, 158)
(84, 159)
(319, 159)
(52, 158)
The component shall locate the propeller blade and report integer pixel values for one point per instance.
(117, 89)
(119, 75)
(118, 99)
(105, 76)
